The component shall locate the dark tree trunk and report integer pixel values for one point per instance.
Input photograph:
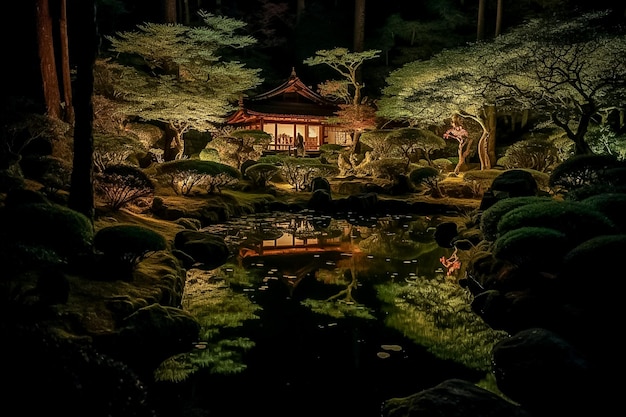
(359, 25)
(86, 47)
(480, 25)
(169, 11)
(65, 65)
(45, 41)
(499, 18)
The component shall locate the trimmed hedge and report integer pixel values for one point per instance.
(578, 221)
(491, 216)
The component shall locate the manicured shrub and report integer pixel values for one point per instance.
(581, 170)
(537, 153)
(515, 183)
(592, 262)
(260, 174)
(427, 176)
(577, 221)
(120, 185)
(124, 245)
(491, 216)
(612, 205)
(540, 248)
(45, 231)
(184, 175)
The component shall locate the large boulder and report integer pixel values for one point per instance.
(546, 375)
(208, 250)
(452, 398)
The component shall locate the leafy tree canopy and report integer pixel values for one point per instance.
(175, 74)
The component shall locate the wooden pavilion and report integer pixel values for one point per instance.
(287, 112)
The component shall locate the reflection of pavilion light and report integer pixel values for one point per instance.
(370, 256)
(346, 254)
(316, 255)
(406, 262)
(330, 263)
(387, 259)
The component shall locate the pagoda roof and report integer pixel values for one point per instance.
(291, 99)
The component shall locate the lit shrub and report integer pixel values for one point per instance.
(299, 172)
(388, 168)
(538, 154)
(429, 177)
(261, 174)
(120, 185)
(491, 216)
(123, 246)
(581, 170)
(540, 248)
(612, 205)
(115, 150)
(183, 175)
(577, 221)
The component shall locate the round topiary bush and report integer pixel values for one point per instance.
(124, 245)
(491, 216)
(578, 221)
(45, 231)
(539, 248)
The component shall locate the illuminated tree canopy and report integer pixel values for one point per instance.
(175, 74)
(571, 71)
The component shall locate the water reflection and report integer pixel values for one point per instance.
(341, 314)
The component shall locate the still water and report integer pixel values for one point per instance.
(322, 316)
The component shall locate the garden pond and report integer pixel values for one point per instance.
(327, 316)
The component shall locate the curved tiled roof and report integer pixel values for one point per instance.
(290, 99)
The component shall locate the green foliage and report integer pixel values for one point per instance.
(120, 185)
(491, 217)
(604, 140)
(48, 230)
(175, 74)
(185, 174)
(216, 307)
(428, 176)
(540, 248)
(569, 70)
(299, 172)
(587, 266)
(209, 154)
(52, 172)
(581, 170)
(436, 314)
(387, 168)
(261, 174)
(114, 150)
(338, 309)
(240, 146)
(406, 141)
(612, 205)
(538, 154)
(577, 221)
(127, 244)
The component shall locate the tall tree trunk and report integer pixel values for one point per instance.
(480, 25)
(169, 11)
(86, 46)
(499, 18)
(359, 25)
(299, 10)
(65, 65)
(45, 44)
(490, 141)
